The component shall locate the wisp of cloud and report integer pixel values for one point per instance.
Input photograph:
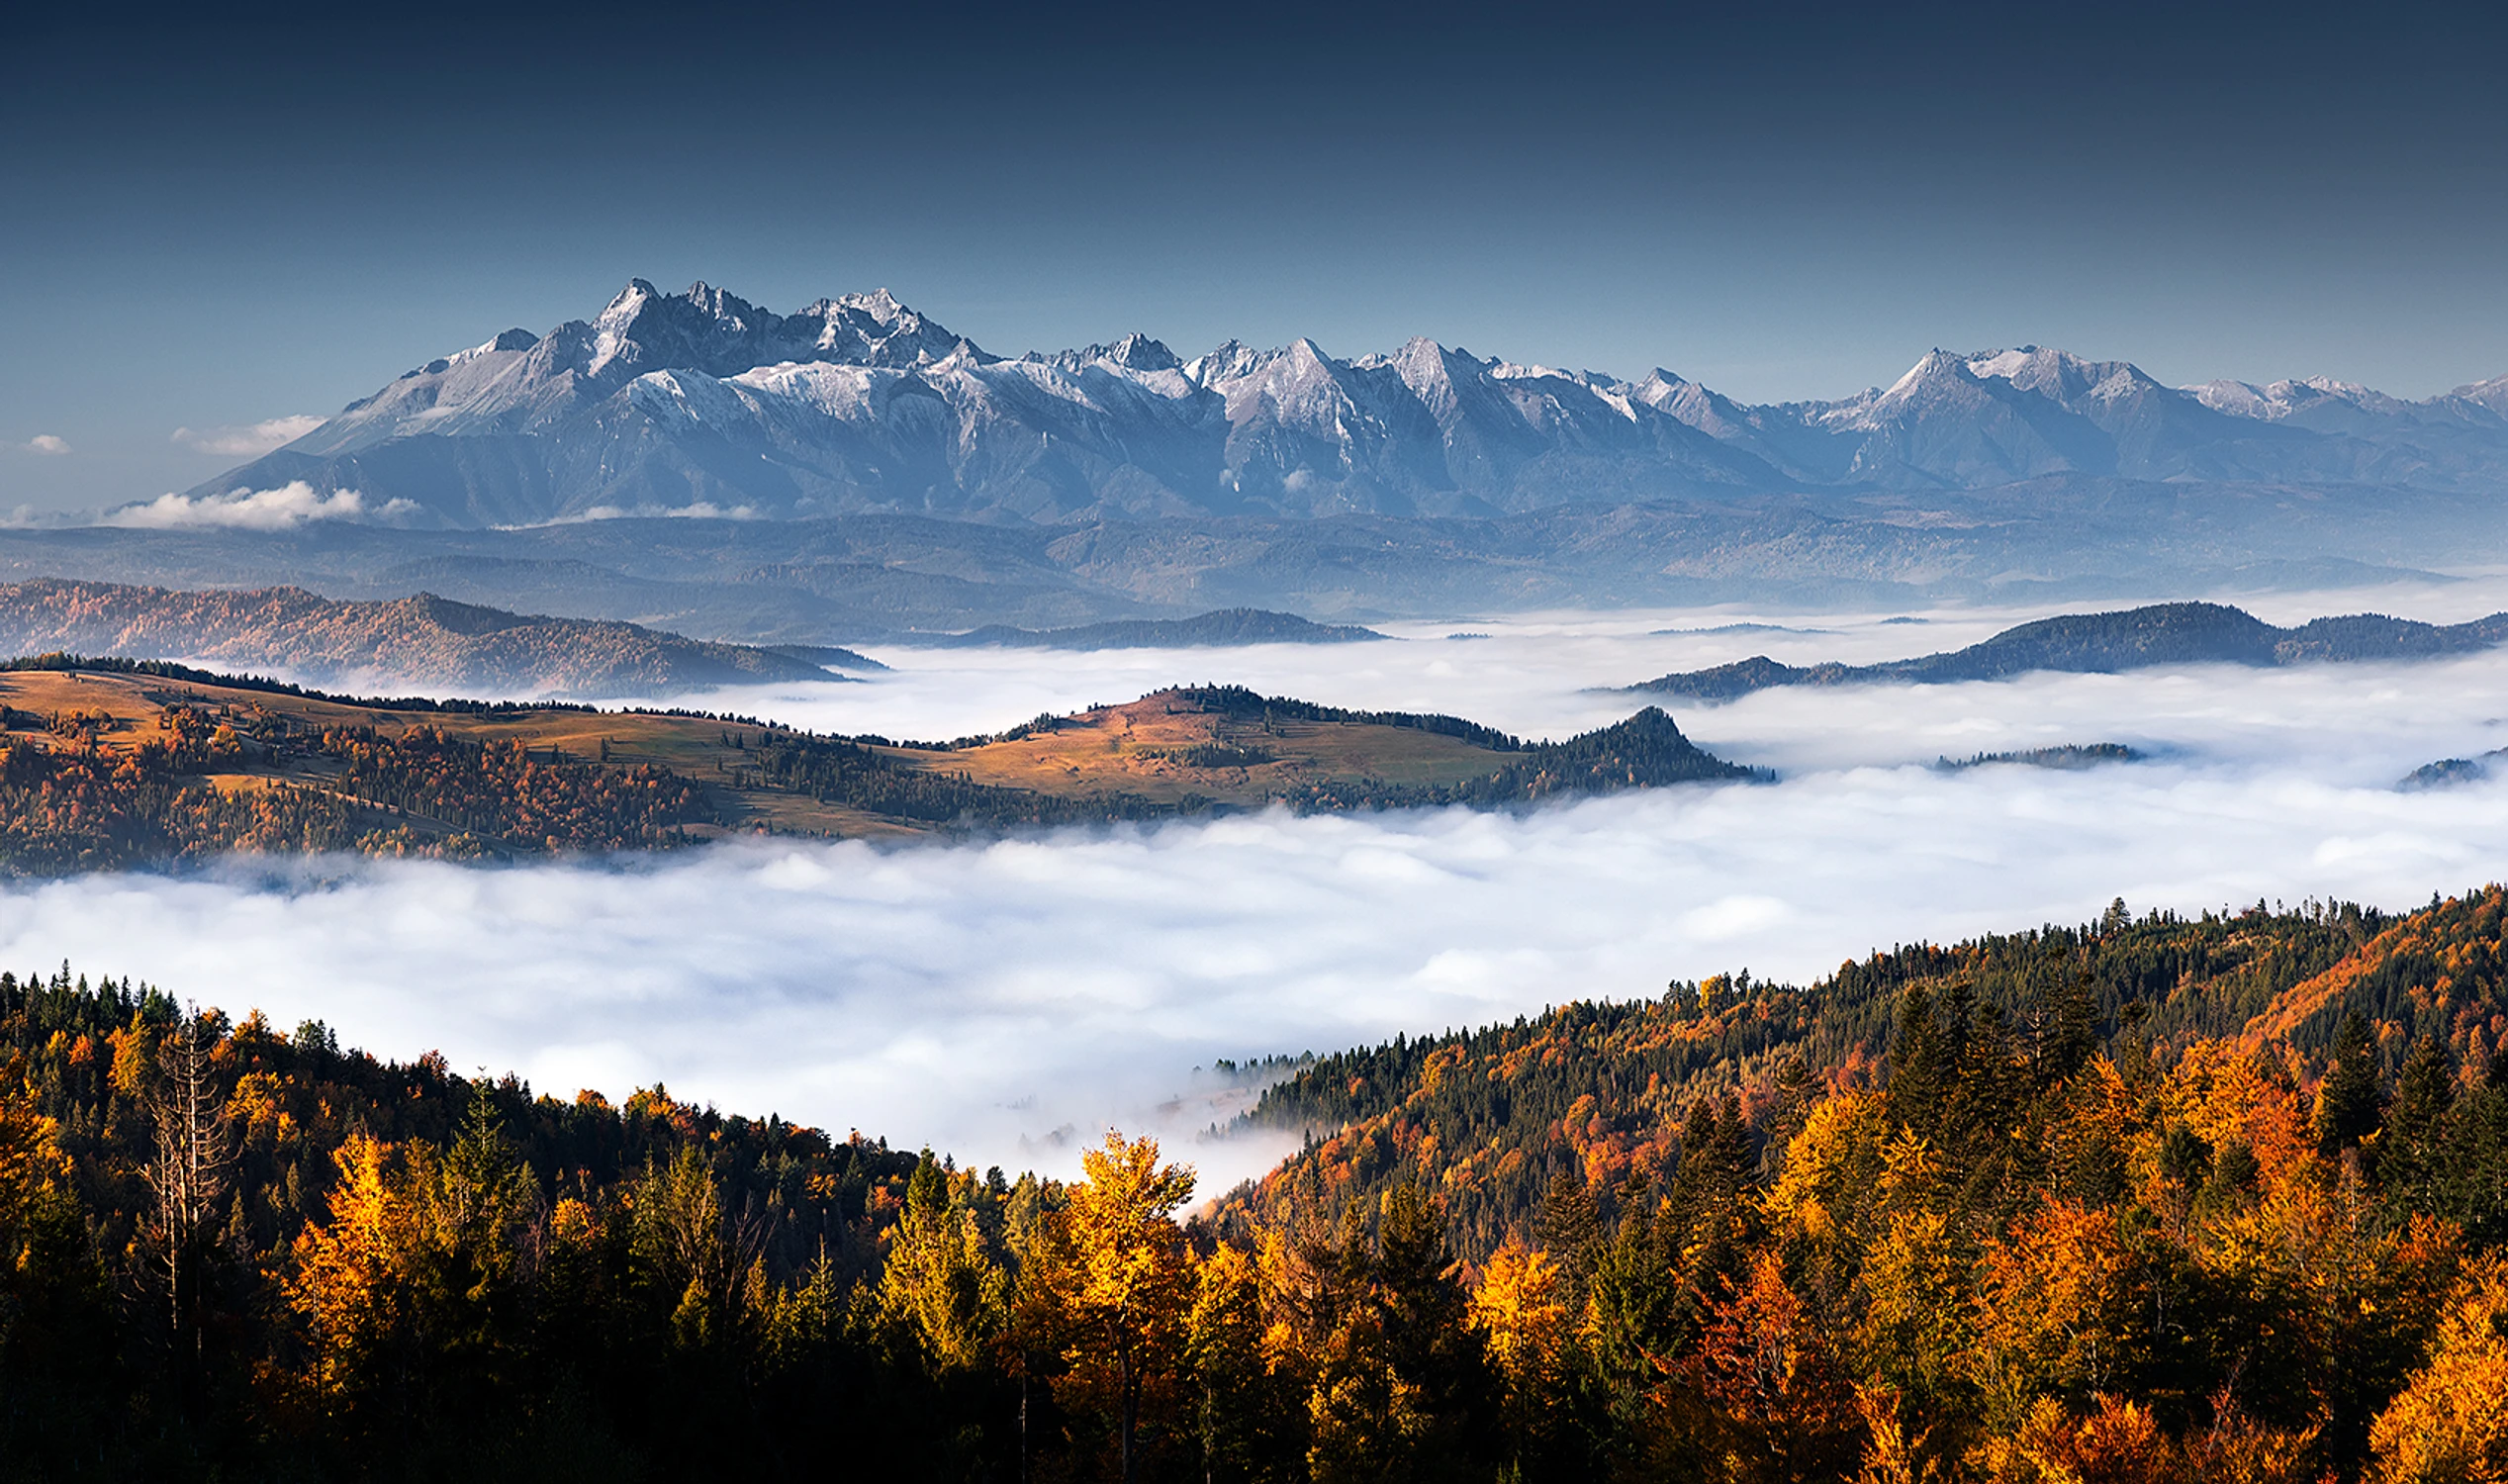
(290, 505)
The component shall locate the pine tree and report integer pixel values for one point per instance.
(2072, 1037)
(939, 1286)
(2351, 1099)
(1921, 1065)
(1571, 1227)
(2425, 1095)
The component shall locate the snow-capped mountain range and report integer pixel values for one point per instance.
(699, 403)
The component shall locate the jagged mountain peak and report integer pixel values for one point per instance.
(699, 400)
(1938, 372)
(2062, 376)
(2491, 394)
(1139, 352)
(1226, 361)
(2238, 399)
(2277, 401)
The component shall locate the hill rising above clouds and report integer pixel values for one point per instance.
(2171, 633)
(108, 764)
(700, 402)
(422, 642)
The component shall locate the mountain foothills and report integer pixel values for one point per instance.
(2168, 633)
(856, 579)
(424, 641)
(2219, 1198)
(702, 403)
(108, 764)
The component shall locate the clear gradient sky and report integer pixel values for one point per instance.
(226, 218)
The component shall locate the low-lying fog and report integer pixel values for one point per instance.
(1005, 1001)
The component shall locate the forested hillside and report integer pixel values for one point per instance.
(2217, 1199)
(118, 763)
(1490, 1117)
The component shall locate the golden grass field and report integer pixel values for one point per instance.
(1121, 749)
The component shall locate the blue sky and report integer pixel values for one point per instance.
(242, 214)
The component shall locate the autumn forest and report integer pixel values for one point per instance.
(2215, 1199)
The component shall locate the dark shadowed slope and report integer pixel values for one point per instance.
(2168, 634)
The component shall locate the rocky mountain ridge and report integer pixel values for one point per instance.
(701, 403)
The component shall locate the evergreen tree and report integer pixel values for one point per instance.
(2351, 1099)
(1922, 1068)
(1571, 1227)
(2072, 1033)
(2416, 1124)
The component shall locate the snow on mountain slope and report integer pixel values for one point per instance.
(671, 403)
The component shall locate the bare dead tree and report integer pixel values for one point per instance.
(191, 1175)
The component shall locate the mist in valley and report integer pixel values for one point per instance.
(1004, 1000)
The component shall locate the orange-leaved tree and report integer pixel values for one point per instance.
(2450, 1423)
(1127, 1289)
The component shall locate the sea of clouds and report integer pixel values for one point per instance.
(1007, 1000)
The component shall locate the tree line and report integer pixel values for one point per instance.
(71, 803)
(2033, 1236)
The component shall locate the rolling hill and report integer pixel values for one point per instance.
(115, 763)
(2172, 634)
(422, 642)
(1489, 1116)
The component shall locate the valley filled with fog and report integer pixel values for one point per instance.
(1004, 1000)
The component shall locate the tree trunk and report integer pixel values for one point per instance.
(189, 1175)
(1130, 1387)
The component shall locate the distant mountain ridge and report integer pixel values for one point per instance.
(2168, 633)
(699, 403)
(420, 641)
(1220, 628)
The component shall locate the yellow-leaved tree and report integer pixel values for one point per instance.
(1917, 1328)
(1245, 1404)
(2056, 1315)
(410, 1289)
(1521, 1306)
(344, 1282)
(938, 1284)
(1126, 1289)
(55, 1306)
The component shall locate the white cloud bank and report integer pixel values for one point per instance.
(290, 505)
(249, 439)
(985, 998)
(50, 446)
